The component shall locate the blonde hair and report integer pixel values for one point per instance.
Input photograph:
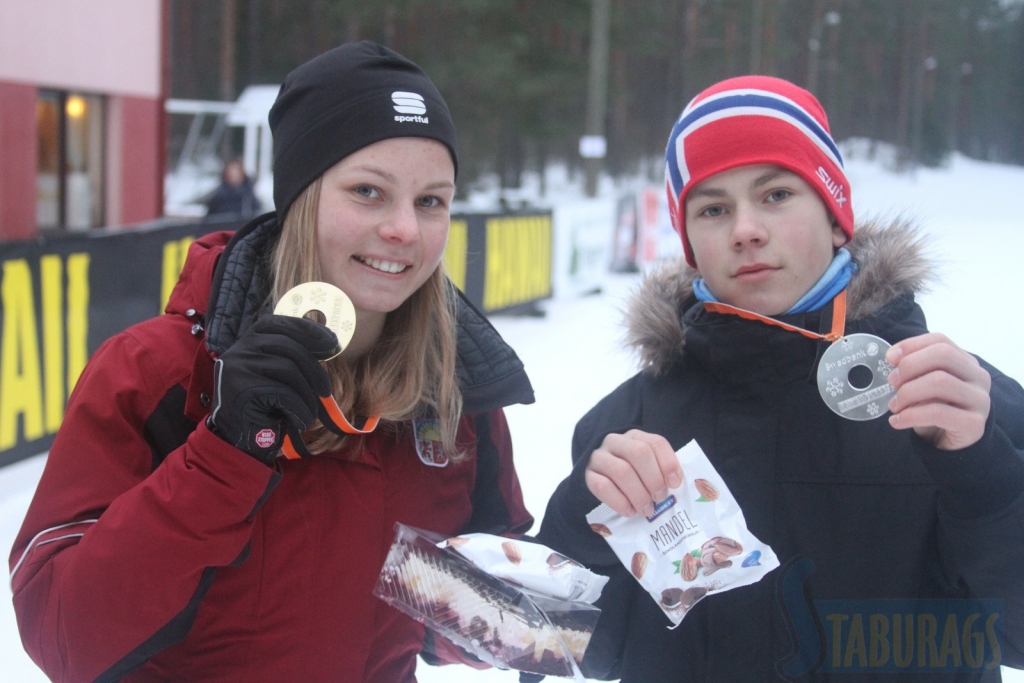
(410, 371)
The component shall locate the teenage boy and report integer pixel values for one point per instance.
(923, 508)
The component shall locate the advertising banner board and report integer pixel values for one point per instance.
(643, 234)
(503, 262)
(583, 235)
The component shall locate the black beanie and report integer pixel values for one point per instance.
(342, 101)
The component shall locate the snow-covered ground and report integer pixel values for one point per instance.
(969, 210)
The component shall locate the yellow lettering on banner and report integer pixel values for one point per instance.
(496, 276)
(518, 263)
(493, 274)
(51, 275)
(20, 382)
(455, 253)
(545, 257)
(78, 317)
(174, 260)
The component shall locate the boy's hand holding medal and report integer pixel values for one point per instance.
(942, 391)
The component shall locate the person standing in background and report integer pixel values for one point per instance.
(235, 193)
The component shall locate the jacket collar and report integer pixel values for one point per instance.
(892, 267)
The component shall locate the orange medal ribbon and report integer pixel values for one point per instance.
(334, 420)
(838, 318)
(340, 317)
(851, 401)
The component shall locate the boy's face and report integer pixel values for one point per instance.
(761, 236)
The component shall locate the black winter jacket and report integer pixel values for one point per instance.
(857, 512)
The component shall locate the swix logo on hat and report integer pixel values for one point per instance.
(428, 442)
(409, 103)
(835, 188)
(266, 438)
(754, 120)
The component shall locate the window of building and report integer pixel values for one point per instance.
(69, 185)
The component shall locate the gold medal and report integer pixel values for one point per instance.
(331, 302)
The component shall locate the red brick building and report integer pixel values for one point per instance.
(82, 123)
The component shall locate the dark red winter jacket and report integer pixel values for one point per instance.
(155, 551)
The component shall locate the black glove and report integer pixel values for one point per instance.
(269, 381)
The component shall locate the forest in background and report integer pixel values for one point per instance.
(928, 76)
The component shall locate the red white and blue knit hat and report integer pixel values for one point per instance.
(754, 120)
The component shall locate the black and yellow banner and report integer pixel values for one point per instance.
(62, 296)
(501, 261)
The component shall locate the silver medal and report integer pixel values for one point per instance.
(853, 377)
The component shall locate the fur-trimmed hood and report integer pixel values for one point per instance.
(891, 258)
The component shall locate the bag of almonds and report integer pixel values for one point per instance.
(695, 544)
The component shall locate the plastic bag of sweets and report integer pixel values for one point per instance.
(505, 625)
(695, 544)
(529, 565)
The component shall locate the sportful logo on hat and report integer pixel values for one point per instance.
(409, 103)
(754, 120)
